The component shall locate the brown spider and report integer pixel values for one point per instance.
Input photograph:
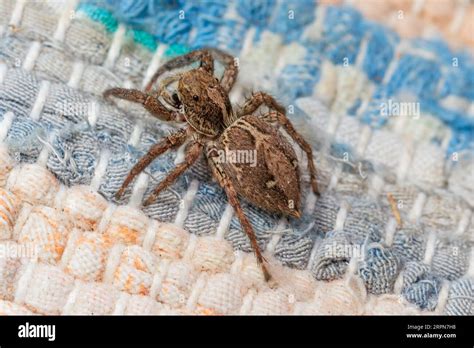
(271, 182)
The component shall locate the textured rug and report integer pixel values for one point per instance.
(68, 247)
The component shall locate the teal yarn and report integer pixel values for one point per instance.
(108, 20)
(100, 15)
(176, 50)
(143, 38)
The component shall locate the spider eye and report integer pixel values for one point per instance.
(175, 98)
(195, 97)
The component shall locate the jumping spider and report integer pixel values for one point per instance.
(202, 102)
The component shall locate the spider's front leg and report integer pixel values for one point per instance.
(232, 196)
(171, 141)
(206, 56)
(207, 63)
(231, 68)
(258, 99)
(279, 116)
(150, 103)
(192, 155)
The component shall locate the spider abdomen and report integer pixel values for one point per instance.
(261, 164)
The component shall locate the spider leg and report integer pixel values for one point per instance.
(282, 120)
(150, 103)
(207, 63)
(171, 141)
(232, 196)
(231, 68)
(191, 156)
(258, 99)
(206, 56)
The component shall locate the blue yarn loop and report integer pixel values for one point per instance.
(257, 13)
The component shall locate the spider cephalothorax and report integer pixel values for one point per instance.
(206, 105)
(247, 155)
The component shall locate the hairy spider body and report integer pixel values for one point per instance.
(247, 155)
(205, 96)
(271, 181)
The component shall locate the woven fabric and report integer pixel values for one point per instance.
(69, 247)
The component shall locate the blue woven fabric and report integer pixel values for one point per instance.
(311, 243)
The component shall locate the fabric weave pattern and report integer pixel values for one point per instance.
(65, 152)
